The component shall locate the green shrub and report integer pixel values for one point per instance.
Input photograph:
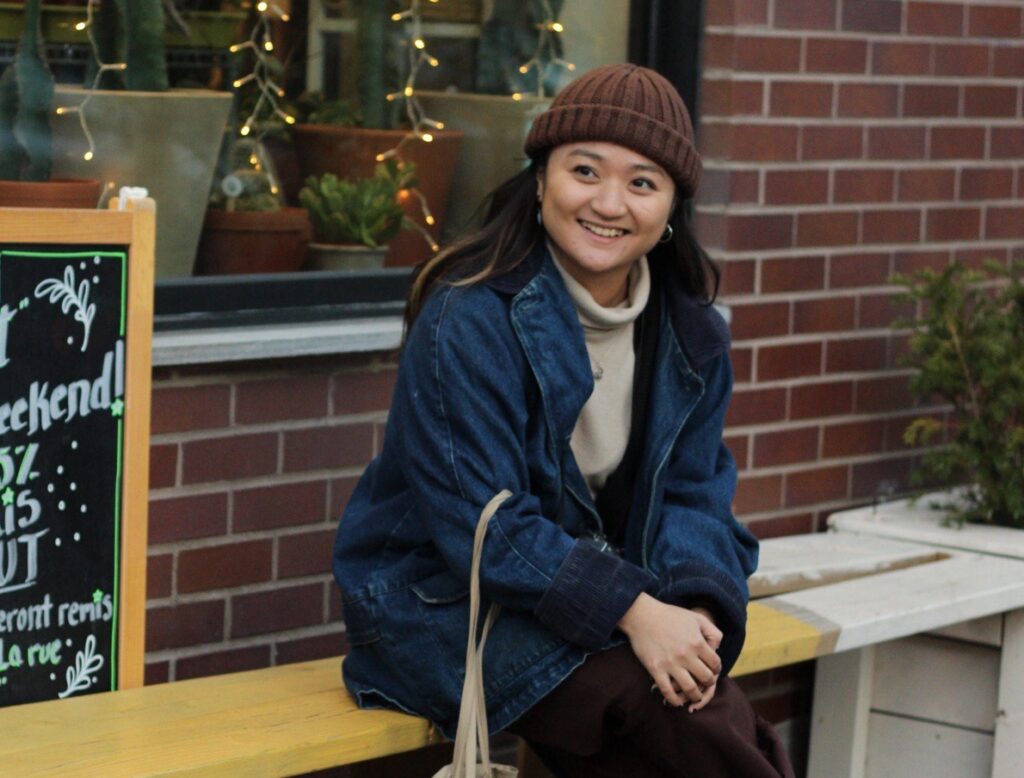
(358, 211)
(968, 348)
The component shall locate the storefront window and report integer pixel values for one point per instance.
(273, 73)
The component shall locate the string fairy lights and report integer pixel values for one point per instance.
(101, 68)
(422, 127)
(548, 31)
(262, 47)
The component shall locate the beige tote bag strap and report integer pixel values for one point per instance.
(473, 709)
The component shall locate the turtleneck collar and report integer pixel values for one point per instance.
(595, 316)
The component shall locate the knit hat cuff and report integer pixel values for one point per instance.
(641, 133)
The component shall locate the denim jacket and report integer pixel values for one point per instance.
(490, 385)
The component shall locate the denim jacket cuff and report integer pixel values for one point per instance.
(696, 582)
(591, 591)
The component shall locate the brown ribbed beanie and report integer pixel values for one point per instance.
(625, 104)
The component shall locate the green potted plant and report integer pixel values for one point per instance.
(26, 137)
(968, 349)
(354, 219)
(347, 141)
(247, 229)
(144, 133)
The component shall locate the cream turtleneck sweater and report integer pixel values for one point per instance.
(602, 430)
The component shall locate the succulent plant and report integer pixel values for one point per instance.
(26, 92)
(358, 211)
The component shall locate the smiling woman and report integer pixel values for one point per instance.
(567, 352)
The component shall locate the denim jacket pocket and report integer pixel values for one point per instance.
(360, 623)
(441, 588)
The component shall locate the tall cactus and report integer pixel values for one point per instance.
(373, 44)
(26, 94)
(132, 31)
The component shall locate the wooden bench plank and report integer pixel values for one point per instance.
(805, 561)
(278, 721)
(865, 611)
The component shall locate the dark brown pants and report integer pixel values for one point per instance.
(603, 720)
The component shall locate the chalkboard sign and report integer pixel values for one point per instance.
(64, 414)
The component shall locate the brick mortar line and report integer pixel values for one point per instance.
(856, 165)
(799, 209)
(805, 295)
(225, 594)
(824, 422)
(865, 36)
(827, 378)
(840, 78)
(284, 425)
(800, 468)
(253, 641)
(868, 121)
(829, 336)
(372, 364)
(273, 479)
(795, 252)
(243, 536)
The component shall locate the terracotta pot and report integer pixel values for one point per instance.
(253, 242)
(352, 151)
(56, 193)
(339, 256)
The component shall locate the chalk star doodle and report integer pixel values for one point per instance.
(65, 293)
(97, 596)
(23, 304)
(117, 407)
(8, 496)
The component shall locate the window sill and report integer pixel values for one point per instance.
(234, 344)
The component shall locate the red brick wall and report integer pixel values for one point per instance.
(251, 466)
(844, 140)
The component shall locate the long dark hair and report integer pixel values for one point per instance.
(510, 230)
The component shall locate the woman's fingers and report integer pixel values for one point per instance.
(709, 694)
(667, 688)
(690, 689)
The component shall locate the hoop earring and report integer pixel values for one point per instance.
(667, 236)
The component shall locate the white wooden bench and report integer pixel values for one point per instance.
(948, 704)
(297, 718)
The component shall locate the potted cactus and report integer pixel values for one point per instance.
(354, 219)
(144, 133)
(26, 139)
(247, 229)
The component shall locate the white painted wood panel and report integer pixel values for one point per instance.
(917, 599)
(942, 680)
(1009, 742)
(921, 523)
(987, 631)
(906, 748)
(802, 561)
(839, 721)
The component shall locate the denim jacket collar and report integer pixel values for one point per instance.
(701, 334)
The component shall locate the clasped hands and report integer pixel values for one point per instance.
(678, 647)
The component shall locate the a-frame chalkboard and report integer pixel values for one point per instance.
(76, 312)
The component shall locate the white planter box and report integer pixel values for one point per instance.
(948, 704)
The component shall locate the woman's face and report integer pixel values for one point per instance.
(604, 206)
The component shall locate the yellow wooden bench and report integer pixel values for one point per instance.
(297, 718)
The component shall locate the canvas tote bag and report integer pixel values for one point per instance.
(472, 729)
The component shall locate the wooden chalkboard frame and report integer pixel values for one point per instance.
(135, 228)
